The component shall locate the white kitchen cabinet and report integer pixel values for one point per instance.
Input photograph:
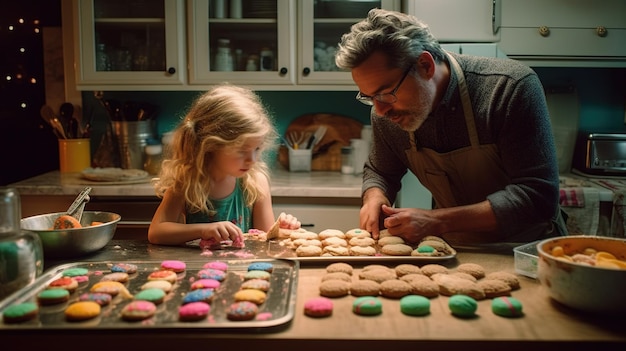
(456, 21)
(317, 214)
(128, 42)
(476, 49)
(565, 32)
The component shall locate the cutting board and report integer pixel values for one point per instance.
(327, 153)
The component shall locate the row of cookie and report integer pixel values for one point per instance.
(430, 281)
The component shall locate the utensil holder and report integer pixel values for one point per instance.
(74, 155)
(300, 160)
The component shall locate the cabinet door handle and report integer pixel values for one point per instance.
(601, 31)
(171, 70)
(283, 71)
(306, 71)
(496, 20)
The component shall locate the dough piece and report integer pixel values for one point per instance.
(424, 287)
(415, 305)
(396, 250)
(433, 268)
(204, 295)
(52, 296)
(82, 310)
(111, 288)
(210, 273)
(357, 233)
(21, 312)
(462, 305)
(169, 276)
(274, 231)
(138, 310)
(367, 306)
(334, 288)
(362, 251)
(473, 269)
(253, 295)
(193, 311)
(365, 287)
(158, 284)
(249, 275)
(75, 272)
(115, 277)
(66, 283)
(450, 286)
(387, 240)
(334, 241)
(154, 295)
(362, 241)
(494, 288)
(124, 267)
(507, 307)
(219, 265)
(335, 250)
(318, 307)
(407, 268)
(258, 284)
(509, 278)
(101, 299)
(340, 267)
(331, 233)
(378, 275)
(395, 289)
(242, 311)
(261, 266)
(308, 251)
(175, 266)
(337, 275)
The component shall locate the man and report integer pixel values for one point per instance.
(475, 131)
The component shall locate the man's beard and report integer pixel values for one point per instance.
(416, 114)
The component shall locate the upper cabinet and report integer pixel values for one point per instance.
(122, 42)
(565, 32)
(263, 44)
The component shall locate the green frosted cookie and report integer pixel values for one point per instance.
(154, 295)
(367, 306)
(75, 272)
(415, 305)
(506, 306)
(462, 305)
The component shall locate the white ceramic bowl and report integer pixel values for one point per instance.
(584, 287)
(73, 242)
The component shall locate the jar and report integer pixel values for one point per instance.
(103, 63)
(266, 60)
(347, 160)
(223, 57)
(154, 157)
(21, 251)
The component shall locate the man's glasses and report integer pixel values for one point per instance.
(387, 98)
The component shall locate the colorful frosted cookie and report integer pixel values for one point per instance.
(204, 295)
(138, 310)
(210, 273)
(121, 277)
(357, 233)
(219, 265)
(415, 305)
(111, 288)
(101, 299)
(258, 284)
(367, 306)
(153, 295)
(257, 275)
(82, 310)
(261, 266)
(166, 275)
(506, 307)
(158, 284)
(242, 311)
(53, 296)
(124, 268)
(21, 312)
(175, 266)
(462, 306)
(75, 272)
(66, 283)
(318, 307)
(193, 311)
(205, 284)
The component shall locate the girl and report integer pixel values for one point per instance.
(214, 185)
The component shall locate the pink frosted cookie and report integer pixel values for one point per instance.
(193, 311)
(318, 307)
(166, 275)
(205, 284)
(101, 299)
(210, 273)
(219, 265)
(138, 310)
(174, 266)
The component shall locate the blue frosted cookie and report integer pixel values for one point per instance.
(261, 266)
(203, 295)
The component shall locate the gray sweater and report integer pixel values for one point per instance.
(510, 110)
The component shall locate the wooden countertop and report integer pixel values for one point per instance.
(545, 325)
(283, 183)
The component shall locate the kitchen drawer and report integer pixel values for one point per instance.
(317, 214)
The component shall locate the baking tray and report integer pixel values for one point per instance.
(278, 308)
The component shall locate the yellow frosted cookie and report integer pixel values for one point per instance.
(82, 310)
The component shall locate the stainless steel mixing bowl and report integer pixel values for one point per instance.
(73, 242)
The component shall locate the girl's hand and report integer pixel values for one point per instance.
(287, 221)
(222, 231)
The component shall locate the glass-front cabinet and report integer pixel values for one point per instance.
(130, 42)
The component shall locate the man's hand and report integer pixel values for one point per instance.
(373, 200)
(411, 224)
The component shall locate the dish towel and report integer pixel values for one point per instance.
(582, 206)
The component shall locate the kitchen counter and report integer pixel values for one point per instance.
(544, 326)
(283, 183)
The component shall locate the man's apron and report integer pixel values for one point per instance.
(464, 176)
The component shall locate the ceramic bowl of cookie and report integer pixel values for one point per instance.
(586, 273)
(96, 229)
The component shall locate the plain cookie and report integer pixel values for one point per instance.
(395, 288)
(339, 267)
(365, 287)
(334, 288)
